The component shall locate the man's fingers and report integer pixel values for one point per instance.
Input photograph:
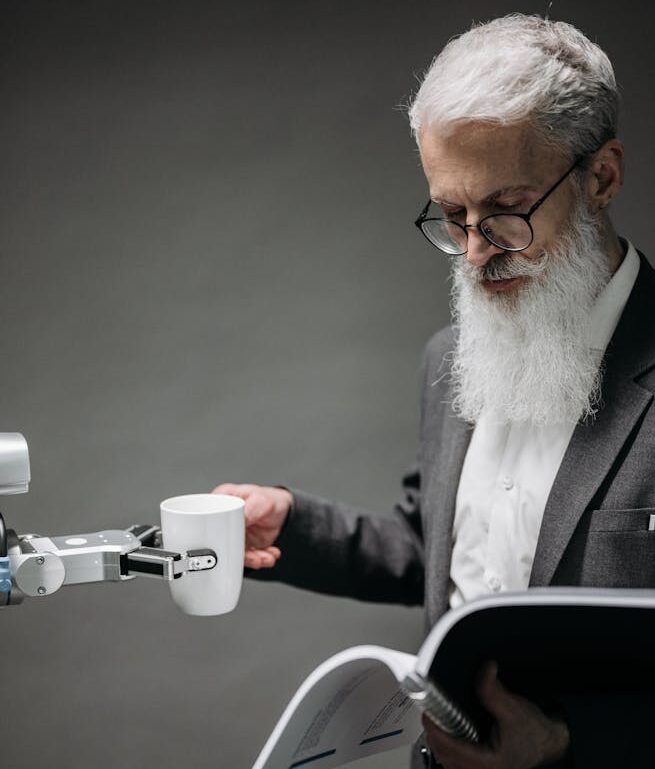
(257, 504)
(243, 490)
(265, 511)
(275, 552)
(257, 507)
(255, 559)
(264, 558)
(453, 752)
(225, 488)
(493, 695)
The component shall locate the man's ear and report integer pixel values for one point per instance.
(606, 174)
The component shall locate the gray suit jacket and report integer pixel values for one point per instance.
(595, 526)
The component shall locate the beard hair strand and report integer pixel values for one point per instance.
(527, 357)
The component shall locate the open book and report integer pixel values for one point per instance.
(549, 642)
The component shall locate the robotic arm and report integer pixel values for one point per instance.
(35, 566)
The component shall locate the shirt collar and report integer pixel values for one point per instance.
(612, 299)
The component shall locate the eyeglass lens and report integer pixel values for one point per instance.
(506, 231)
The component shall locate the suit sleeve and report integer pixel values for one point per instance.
(334, 548)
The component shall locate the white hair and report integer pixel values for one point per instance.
(523, 68)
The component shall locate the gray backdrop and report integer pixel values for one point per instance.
(209, 272)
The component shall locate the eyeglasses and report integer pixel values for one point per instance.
(511, 232)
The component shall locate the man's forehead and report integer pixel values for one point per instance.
(442, 194)
(494, 160)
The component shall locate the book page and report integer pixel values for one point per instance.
(350, 707)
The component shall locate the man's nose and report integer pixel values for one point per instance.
(480, 250)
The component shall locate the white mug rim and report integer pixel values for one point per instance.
(222, 503)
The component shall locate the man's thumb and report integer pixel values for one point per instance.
(493, 695)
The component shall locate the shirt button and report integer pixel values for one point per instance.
(494, 583)
(507, 482)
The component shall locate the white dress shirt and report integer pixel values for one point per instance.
(507, 475)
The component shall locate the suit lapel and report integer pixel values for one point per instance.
(446, 468)
(588, 459)
(594, 447)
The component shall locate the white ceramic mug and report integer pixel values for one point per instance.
(206, 520)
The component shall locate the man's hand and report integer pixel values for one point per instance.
(522, 737)
(266, 511)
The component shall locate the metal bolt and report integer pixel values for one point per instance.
(197, 563)
(40, 560)
(41, 590)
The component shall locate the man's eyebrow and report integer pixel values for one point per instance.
(489, 198)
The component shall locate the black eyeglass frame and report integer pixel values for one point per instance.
(423, 217)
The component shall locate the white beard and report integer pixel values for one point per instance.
(526, 358)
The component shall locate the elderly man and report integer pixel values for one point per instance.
(538, 430)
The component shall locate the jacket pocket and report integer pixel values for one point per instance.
(620, 549)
